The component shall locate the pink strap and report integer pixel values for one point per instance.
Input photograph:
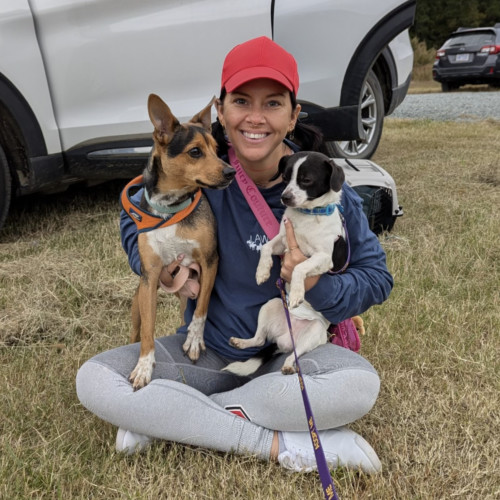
(254, 198)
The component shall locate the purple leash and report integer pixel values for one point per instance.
(323, 470)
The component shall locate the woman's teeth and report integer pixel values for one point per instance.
(249, 135)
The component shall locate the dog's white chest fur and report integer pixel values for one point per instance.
(168, 246)
(314, 233)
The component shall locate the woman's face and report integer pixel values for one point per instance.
(257, 116)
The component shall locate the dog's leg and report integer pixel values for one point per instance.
(135, 334)
(306, 339)
(194, 343)
(315, 265)
(274, 247)
(264, 325)
(147, 297)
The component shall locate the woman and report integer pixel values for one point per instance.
(198, 404)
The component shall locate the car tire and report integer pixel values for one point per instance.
(371, 115)
(448, 87)
(5, 187)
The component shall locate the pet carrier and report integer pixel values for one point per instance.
(377, 190)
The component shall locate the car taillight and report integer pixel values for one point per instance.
(490, 49)
(440, 53)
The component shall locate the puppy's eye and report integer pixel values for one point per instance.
(195, 153)
(306, 181)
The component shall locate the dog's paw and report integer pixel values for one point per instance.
(193, 347)
(236, 342)
(142, 373)
(287, 370)
(295, 298)
(262, 275)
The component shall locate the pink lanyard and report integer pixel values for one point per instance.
(254, 198)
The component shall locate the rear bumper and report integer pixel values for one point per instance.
(466, 74)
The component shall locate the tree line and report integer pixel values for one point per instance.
(436, 19)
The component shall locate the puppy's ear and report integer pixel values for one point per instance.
(162, 118)
(204, 117)
(338, 177)
(281, 167)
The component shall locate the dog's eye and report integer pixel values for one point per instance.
(195, 153)
(306, 181)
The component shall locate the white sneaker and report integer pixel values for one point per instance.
(129, 442)
(342, 448)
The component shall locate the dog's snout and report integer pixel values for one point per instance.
(229, 173)
(286, 198)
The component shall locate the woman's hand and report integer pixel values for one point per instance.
(294, 256)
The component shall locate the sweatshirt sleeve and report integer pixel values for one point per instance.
(128, 233)
(366, 281)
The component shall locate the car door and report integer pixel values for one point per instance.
(104, 57)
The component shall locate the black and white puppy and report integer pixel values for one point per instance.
(312, 197)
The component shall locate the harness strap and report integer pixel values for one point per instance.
(146, 221)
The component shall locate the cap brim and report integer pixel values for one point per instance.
(249, 74)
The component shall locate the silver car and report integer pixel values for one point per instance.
(75, 76)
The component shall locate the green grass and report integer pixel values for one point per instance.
(65, 293)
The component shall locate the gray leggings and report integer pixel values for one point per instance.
(189, 403)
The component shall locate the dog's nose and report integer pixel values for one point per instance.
(286, 198)
(228, 173)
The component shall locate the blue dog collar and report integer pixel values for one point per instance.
(326, 210)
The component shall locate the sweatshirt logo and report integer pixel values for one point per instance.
(256, 242)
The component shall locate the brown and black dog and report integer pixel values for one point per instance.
(183, 160)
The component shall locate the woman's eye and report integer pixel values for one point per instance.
(195, 153)
(240, 101)
(274, 104)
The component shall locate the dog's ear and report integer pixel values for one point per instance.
(162, 118)
(204, 117)
(338, 177)
(281, 167)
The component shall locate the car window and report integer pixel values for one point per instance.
(470, 39)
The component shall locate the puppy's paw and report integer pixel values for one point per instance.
(287, 370)
(262, 275)
(295, 298)
(142, 373)
(236, 342)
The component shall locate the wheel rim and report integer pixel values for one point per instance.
(369, 115)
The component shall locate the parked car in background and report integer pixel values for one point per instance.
(75, 76)
(469, 56)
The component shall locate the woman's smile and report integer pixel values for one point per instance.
(257, 116)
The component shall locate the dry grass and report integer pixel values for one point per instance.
(65, 291)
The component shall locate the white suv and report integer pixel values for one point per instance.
(75, 76)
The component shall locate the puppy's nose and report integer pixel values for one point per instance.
(228, 173)
(286, 198)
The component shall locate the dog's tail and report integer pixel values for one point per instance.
(250, 366)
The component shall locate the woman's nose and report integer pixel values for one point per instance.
(255, 116)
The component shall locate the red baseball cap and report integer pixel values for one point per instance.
(259, 58)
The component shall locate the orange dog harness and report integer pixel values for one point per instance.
(146, 221)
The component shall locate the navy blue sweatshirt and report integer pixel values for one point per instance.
(236, 297)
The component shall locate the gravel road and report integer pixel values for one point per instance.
(456, 106)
